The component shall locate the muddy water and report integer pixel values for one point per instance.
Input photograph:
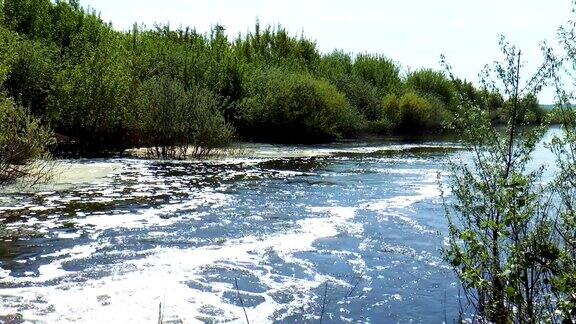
(346, 232)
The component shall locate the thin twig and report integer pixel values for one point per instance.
(353, 288)
(324, 301)
(445, 311)
(241, 301)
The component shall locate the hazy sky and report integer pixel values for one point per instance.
(412, 32)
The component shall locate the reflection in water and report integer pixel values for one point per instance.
(357, 220)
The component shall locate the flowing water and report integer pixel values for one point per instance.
(347, 232)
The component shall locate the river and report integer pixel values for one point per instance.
(347, 232)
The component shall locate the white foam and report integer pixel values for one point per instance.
(133, 295)
(135, 288)
(395, 207)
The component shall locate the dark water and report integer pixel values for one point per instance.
(347, 232)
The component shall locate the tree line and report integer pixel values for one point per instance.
(101, 89)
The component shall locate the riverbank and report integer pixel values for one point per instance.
(110, 90)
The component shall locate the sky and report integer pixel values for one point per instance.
(413, 33)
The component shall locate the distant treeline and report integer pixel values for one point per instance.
(102, 89)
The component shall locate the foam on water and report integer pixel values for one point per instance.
(276, 256)
(137, 286)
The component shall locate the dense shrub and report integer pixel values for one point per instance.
(274, 46)
(382, 126)
(78, 74)
(338, 68)
(379, 71)
(91, 99)
(391, 109)
(413, 113)
(533, 112)
(530, 111)
(432, 84)
(31, 78)
(291, 107)
(176, 123)
(335, 66)
(362, 95)
(22, 142)
(29, 17)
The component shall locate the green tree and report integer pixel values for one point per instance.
(292, 107)
(24, 142)
(379, 71)
(499, 222)
(564, 146)
(433, 84)
(412, 113)
(32, 71)
(178, 123)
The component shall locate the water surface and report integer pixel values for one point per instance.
(348, 232)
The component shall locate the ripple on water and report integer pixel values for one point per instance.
(286, 226)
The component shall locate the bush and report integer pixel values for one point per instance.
(31, 76)
(294, 107)
(22, 141)
(362, 95)
(432, 84)
(380, 127)
(502, 216)
(414, 114)
(337, 68)
(529, 113)
(172, 121)
(92, 98)
(379, 71)
(82, 76)
(391, 108)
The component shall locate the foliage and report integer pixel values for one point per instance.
(287, 107)
(564, 146)
(22, 141)
(91, 97)
(379, 71)
(32, 69)
(83, 78)
(339, 69)
(564, 281)
(414, 114)
(500, 229)
(177, 123)
(433, 84)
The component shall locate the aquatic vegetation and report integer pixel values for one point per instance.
(412, 113)
(176, 123)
